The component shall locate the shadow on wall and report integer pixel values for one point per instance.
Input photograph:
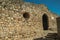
(58, 25)
(50, 36)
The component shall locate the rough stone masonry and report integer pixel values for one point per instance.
(25, 21)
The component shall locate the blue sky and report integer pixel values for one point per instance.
(53, 5)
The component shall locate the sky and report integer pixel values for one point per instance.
(53, 5)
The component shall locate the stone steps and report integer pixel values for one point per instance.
(50, 36)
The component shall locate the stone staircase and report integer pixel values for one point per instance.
(50, 36)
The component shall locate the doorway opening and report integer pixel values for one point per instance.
(45, 22)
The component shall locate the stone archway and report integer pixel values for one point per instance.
(45, 22)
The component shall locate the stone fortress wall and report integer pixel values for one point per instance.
(24, 21)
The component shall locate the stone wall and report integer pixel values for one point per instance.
(14, 25)
(58, 26)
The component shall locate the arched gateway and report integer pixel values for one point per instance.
(45, 22)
